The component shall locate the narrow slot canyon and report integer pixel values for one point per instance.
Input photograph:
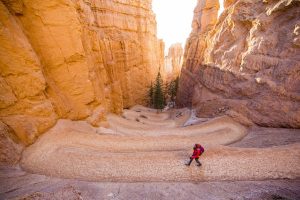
(103, 99)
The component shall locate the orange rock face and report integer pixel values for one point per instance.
(74, 59)
(246, 64)
(174, 59)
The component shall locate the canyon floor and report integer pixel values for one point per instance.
(142, 155)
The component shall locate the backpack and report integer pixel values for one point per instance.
(201, 149)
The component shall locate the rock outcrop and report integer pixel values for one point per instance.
(74, 59)
(174, 59)
(246, 64)
(10, 149)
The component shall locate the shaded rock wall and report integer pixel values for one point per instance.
(10, 149)
(245, 64)
(74, 59)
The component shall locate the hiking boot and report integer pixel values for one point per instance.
(199, 164)
(187, 164)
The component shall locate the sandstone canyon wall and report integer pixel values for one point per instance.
(245, 64)
(174, 60)
(74, 59)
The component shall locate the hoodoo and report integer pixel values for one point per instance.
(174, 59)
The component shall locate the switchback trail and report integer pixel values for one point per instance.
(141, 151)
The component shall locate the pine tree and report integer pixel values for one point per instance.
(158, 96)
(151, 95)
(176, 86)
(172, 89)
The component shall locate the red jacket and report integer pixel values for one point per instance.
(196, 153)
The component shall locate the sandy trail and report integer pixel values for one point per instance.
(150, 121)
(179, 116)
(236, 164)
(153, 116)
(147, 153)
(127, 127)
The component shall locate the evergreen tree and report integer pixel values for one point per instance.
(158, 95)
(172, 89)
(151, 95)
(176, 86)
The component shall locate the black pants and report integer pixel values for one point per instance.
(197, 160)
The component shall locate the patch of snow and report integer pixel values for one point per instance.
(194, 119)
(104, 131)
(110, 195)
(169, 105)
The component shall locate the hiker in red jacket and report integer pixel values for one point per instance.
(198, 150)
